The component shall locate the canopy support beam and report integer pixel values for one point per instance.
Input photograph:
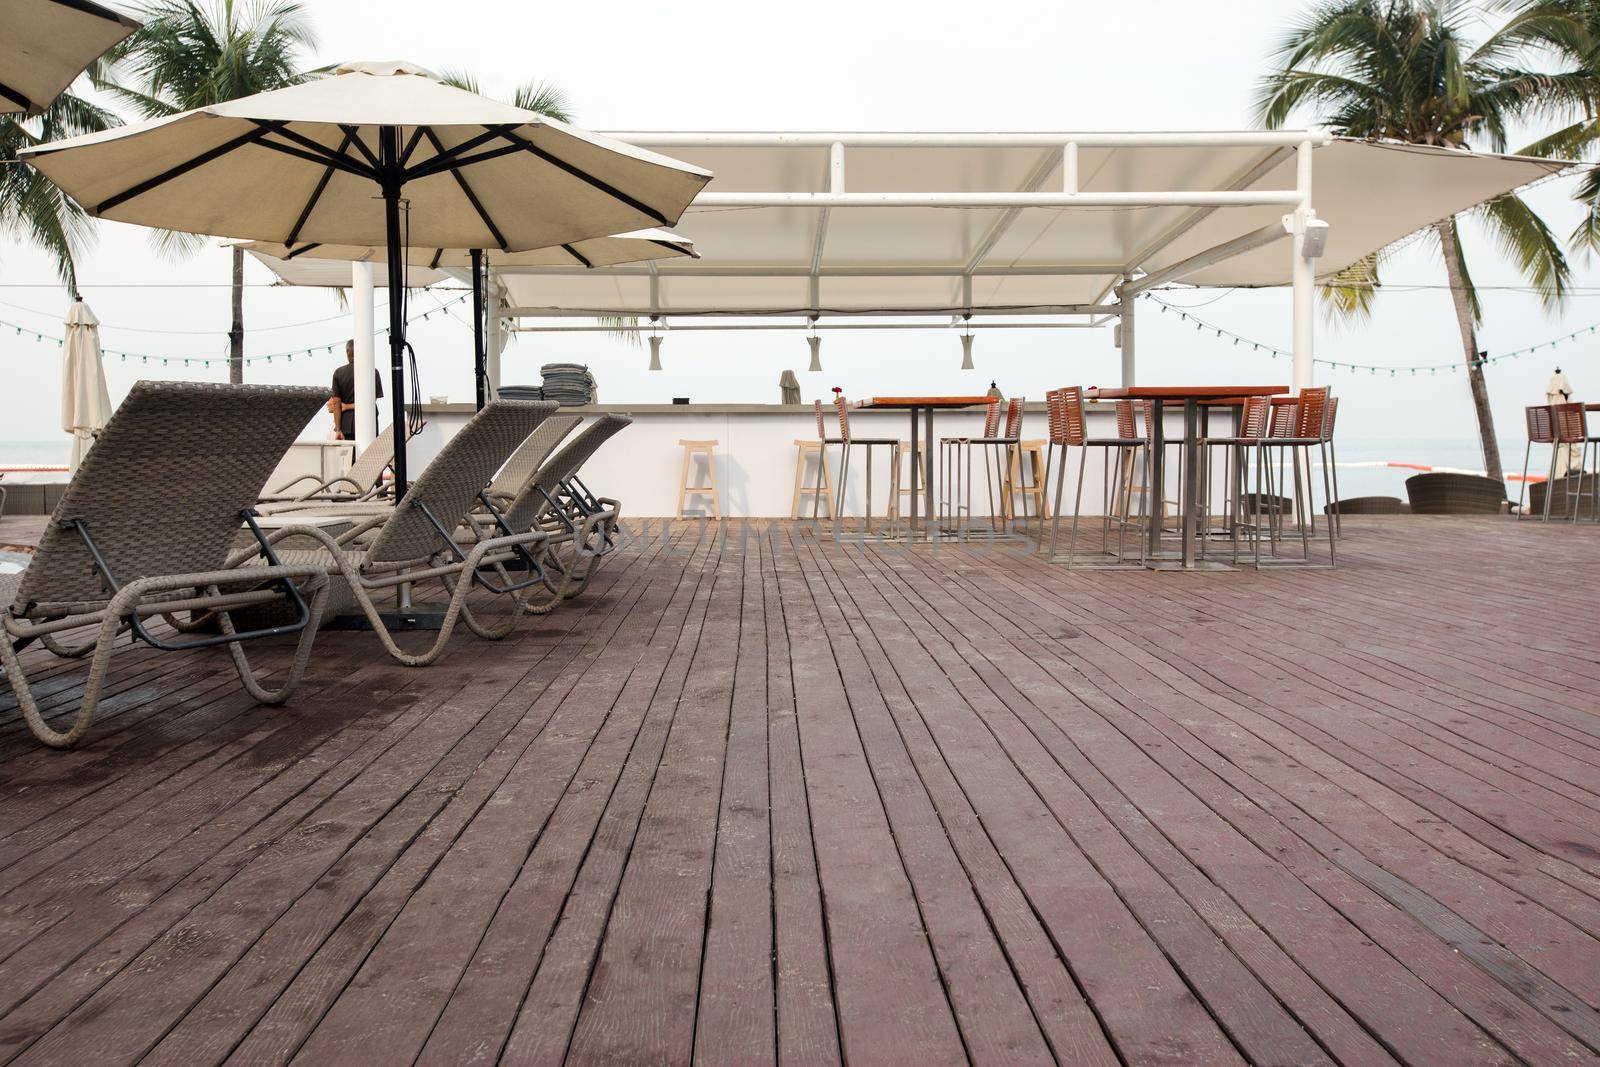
(1305, 278)
(1127, 339)
(363, 310)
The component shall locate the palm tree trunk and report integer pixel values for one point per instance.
(236, 334)
(1469, 344)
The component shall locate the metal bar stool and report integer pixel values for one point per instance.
(1572, 428)
(1064, 408)
(1541, 431)
(1254, 422)
(998, 449)
(849, 444)
(1295, 437)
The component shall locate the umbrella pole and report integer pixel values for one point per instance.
(479, 370)
(389, 157)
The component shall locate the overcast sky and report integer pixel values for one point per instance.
(860, 65)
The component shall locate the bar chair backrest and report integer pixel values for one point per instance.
(1283, 420)
(1571, 426)
(1311, 413)
(843, 405)
(1541, 424)
(1333, 417)
(1073, 425)
(450, 485)
(1257, 418)
(1148, 409)
(991, 418)
(163, 489)
(1014, 411)
(822, 430)
(1127, 420)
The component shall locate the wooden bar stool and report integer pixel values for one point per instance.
(707, 449)
(902, 484)
(1028, 457)
(819, 493)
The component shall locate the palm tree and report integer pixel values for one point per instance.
(187, 56)
(31, 207)
(1409, 71)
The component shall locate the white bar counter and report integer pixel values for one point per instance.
(756, 452)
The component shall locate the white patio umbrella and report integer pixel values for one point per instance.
(47, 43)
(638, 246)
(85, 402)
(331, 160)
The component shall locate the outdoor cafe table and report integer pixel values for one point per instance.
(1191, 397)
(924, 406)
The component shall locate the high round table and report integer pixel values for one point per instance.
(924, 406)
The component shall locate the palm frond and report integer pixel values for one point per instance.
(1523, 237)
(1348, 298)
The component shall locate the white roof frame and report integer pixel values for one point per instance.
(1063, 224)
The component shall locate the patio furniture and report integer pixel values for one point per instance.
(1191, 397)
(821, 493)
(998, 454)
(921, 409)
(902, 472)
(416, 541)
(1572, 428)
(1368, 505)
(1294, 431)
(1027, 478)
(706, 450)
(849, 444)
(1541, 422)
(1238, 502)
(580, 527)
(363, 481)
(1441, 493)
(1068, 430)
(145, 529)
(526, 462)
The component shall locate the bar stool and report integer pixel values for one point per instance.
(1254, 423)
(1541, 431)
(708, 450)
(1064, 409)
(821, 493)
(1302, 427)
(1028, 459)
(849, 444)
(998, 450)
(897, 457)
(1572, 428)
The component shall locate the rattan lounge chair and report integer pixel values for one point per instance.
(363, 481)
(417, 541)
(580, 527)
(530, 456)
(1445, 493)
(146, 528)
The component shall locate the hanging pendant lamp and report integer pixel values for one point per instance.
(816, 354)
(655, 343)
(966, 345)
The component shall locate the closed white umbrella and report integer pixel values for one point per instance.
(331, 160)
(44, 44)
(85, 402)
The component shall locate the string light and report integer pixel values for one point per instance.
(1432, 368)
(287, 356)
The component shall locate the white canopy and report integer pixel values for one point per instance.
(926, 223)
(47, 43)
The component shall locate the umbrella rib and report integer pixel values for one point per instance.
(682, 250)
(353, 133)
(316, 194)
(303, 249)
(411, 145)
(450, 157)
(472, 197)
(312, 150)
(585, 176)
(438, 254)
(577, 255)
(181, 169)
(18, 98)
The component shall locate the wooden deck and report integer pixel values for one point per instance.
(755, 799)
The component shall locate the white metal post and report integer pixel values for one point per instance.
(363, 313)
(496, 339)
(1304, 275)
(1125, 337)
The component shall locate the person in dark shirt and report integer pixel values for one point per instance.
(342, 396)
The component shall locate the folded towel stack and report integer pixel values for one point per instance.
(568, 384)
(520, 392)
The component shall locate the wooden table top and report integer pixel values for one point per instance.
(1185, 392)
(922, 401)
